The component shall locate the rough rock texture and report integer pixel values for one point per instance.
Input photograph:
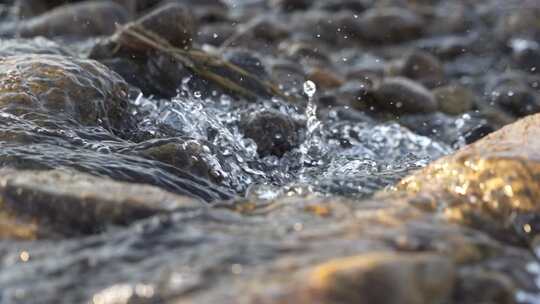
(491, 184)
(67, 202)
(78, 89)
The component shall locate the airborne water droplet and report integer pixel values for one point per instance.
(310, 88)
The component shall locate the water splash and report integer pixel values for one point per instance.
(353, 158)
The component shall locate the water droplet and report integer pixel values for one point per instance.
(310, 88)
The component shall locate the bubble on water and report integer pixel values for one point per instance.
(310, 88)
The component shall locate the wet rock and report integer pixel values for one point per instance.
(389, 25)
(383, 278)
(454, 99)
(187, 155)
(164, 75)
(424, 68)
(171, 22)
(491, 184)
(13, 228)
(71, 203)
(512, 93)
(273, 132)
(65, 88)
(400, 95)
(85, 19)
(325, 79)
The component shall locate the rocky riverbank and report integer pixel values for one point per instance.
(283, 151)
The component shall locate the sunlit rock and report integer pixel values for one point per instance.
(492, 185)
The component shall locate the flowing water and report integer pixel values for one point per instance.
(335, 156)
(353, 158)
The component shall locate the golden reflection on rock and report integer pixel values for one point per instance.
(14, 228)
(493, 184)
(382, 277)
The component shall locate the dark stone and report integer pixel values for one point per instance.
(400, 95)
(273, 132)
(424, 68)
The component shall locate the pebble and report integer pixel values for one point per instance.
(401, 95)
(454, 99)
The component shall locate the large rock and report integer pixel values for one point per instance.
(65, 202)
(64, 87)
(492, 184)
